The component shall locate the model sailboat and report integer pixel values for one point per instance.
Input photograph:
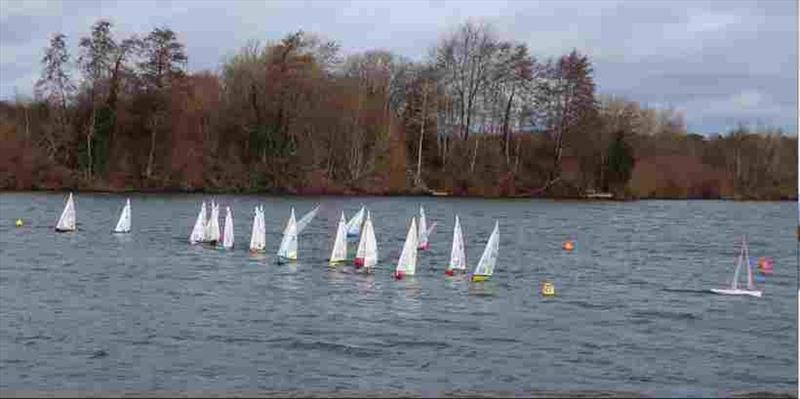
(422, 237)
(744, 257)
(407, 264)
(124, 222)
(199, 230)
(258, 234)
(367, 254)
(486, 265)
(354, 224)
(212, 227)
(288, 248)
(339, 252)
(458, 258)
(67, 220)
(306, 219)
(227, 233)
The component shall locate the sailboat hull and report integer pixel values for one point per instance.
(479, 277)
(283, 259)
(754, 293)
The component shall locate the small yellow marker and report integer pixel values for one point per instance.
(19, 223)
(548, 289)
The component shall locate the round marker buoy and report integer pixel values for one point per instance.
(568, 245)
(19, 223)
(548, 289)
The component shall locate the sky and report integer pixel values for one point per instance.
(717, 62)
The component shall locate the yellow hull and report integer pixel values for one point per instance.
(479, 277)
(336, 263)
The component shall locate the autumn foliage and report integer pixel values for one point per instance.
(481, 117)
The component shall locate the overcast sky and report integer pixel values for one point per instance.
(718, 62)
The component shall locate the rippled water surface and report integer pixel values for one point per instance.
(88, 310)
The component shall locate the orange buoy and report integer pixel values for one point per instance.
(568, 245)
(765, 264)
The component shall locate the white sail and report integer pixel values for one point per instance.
(212, 226)
(227, 234)
(288, 247)
(407, 264)
(489, 258)
(257, 237)
(458, 258)
(67, 220)
(124, 222)
(354, 225)
(199, 230)
(262, 228)
(743, 258)
(306, 219)
(370, 245)
(430, 229)
(362, 245)
(422, 237)
(339, 252)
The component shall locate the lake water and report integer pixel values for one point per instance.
(89, 311)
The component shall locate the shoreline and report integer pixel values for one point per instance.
(288, 193)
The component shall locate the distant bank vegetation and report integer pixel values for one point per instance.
(479, 116)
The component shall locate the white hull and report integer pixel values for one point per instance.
(754, 293)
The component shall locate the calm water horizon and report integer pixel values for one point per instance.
(91, 311)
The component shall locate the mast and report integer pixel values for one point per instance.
(749, 268)
(735, 282)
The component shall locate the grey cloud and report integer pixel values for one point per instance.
(696, 56)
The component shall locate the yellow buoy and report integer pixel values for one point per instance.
(548, 289)
(568, 245)
(19, 223)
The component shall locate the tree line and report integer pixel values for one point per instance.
(479, 116)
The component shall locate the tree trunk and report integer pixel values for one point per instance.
(89, 138)
(474, 157)
(151, 154)
(444, 153)
(562, 130)
(421, 135)
(27, 126)
(506, 129)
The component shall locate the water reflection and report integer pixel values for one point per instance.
(365, 283)
(483, 288)
(408, 302)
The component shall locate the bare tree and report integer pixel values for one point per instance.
(465, 59)
(164, 61)
(96, 60)
(567, 97)
(56, 87)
